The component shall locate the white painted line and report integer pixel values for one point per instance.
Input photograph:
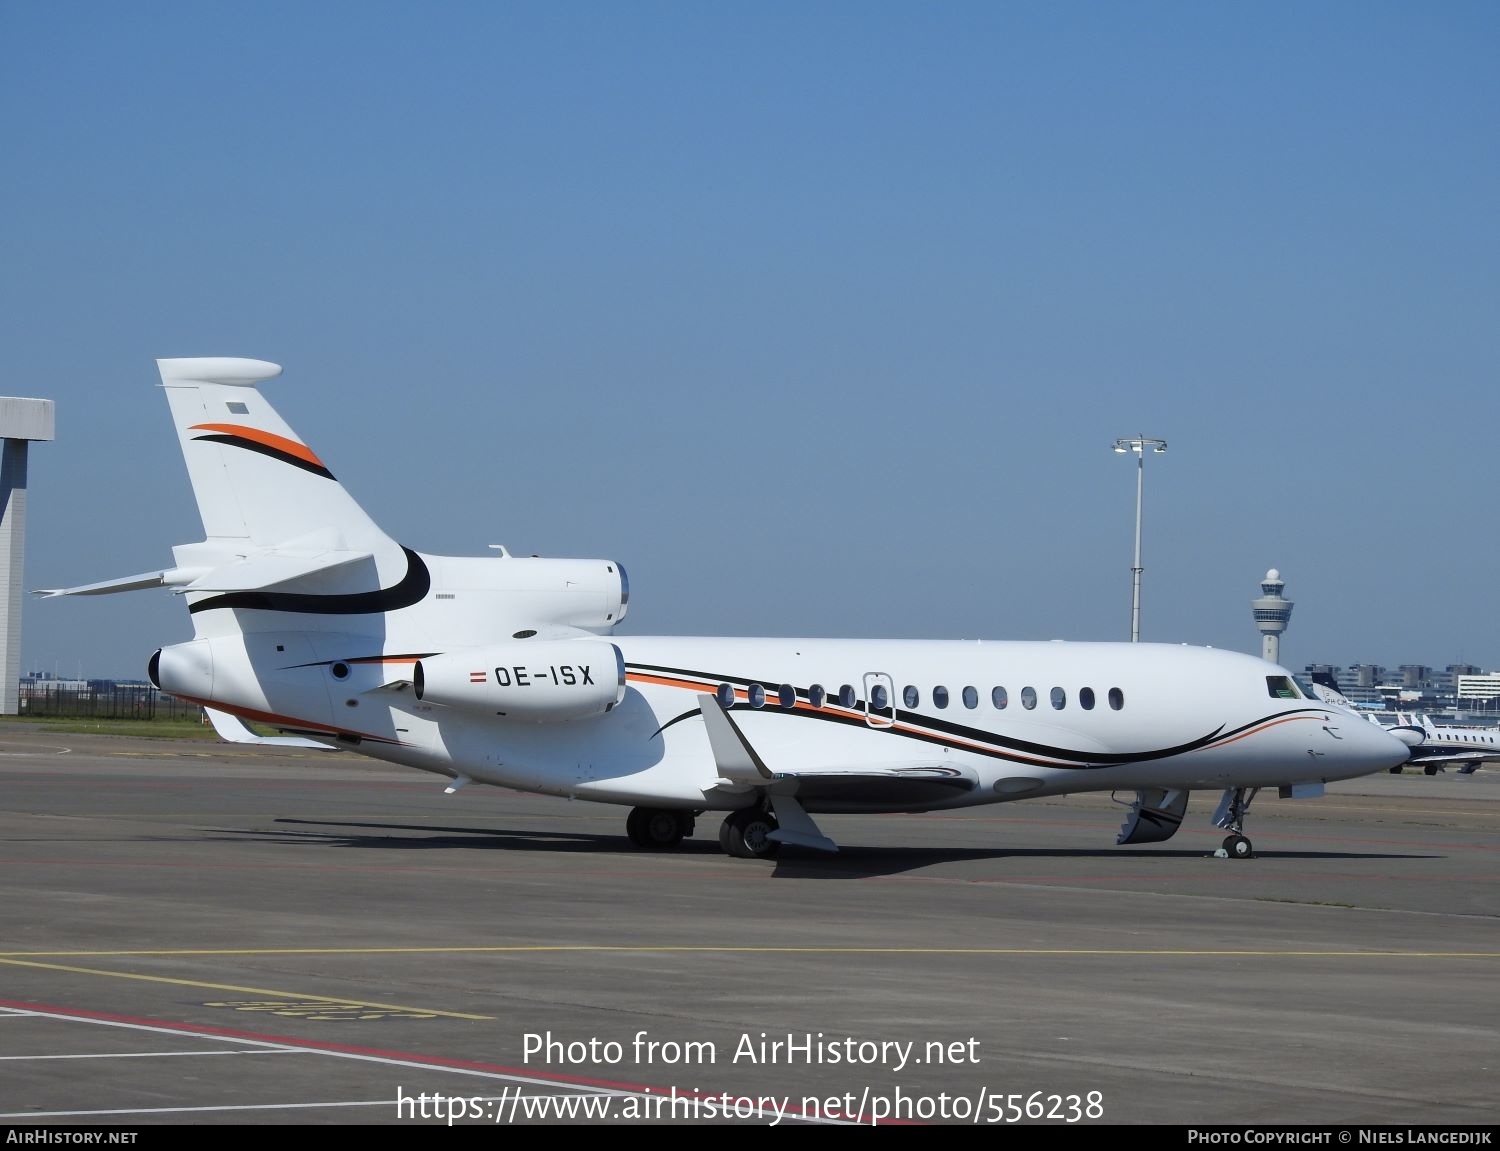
(481, 1121)
(192, 1110)
(153, 1054)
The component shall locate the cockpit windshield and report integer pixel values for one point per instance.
(1305, 685)
(1283, 687)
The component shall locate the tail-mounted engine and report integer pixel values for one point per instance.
(545, 681)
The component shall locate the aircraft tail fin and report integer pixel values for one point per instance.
(1327, 679)
(255, 480)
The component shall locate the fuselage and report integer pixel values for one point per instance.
(1011, 719)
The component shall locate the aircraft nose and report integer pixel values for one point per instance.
(1363, 748)
(1386, 749)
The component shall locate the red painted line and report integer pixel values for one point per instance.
(438, 1062)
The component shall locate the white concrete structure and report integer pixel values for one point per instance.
(1477, 686)
(1273, 612)
(21, 421)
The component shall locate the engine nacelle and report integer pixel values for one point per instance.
(498, 595)
(184, 669)
(544, 681)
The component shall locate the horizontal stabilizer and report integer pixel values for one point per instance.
(170, 577)
(272, 568)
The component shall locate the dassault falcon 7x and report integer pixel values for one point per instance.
(310, 620)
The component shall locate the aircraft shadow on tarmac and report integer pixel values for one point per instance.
(852, 862)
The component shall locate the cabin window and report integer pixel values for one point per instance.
(725, 694)
(971, 698)
(999, 698)
(786, 695)
(911, 697)
(1059, 699)
(940, 697)
(880, 699)
(1116, 698)
(757, 695)
(816, 695)
(1028, 697)
(1086, 698)
(846, 696)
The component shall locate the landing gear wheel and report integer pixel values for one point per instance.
(1238, 847)
(746, 834)
(1231, 817)
(1431, 769)
(1397, 770)
(657, 828)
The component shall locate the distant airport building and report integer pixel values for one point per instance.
(21, 421)
(1461, 692)
(1272, 613)
(1478, 686)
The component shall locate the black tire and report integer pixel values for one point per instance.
(657, 828)
(635, 826)
(1431, 769)
(1238, 847)
(745, 834)
(1398, 769)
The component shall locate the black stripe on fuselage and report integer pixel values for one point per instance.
(268, 450)
(412, 589)
(946, 733)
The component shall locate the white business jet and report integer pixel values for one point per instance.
(505, 670)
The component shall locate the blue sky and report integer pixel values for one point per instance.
(819, 317)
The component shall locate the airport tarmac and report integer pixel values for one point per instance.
(197, 933)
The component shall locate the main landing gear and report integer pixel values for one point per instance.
(1231, 817)
(750, 833)
(746, 834)
(658, 828)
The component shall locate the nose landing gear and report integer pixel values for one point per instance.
(1231, 817)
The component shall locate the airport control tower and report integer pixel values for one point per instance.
(1272, 613)
(21, 421)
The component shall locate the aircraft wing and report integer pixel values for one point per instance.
(918, 782)
(232, 729)
(1437, 756)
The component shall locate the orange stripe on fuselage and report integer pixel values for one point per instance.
(285, 721)
(268, 439)
(740, 694)
(949, 740)
(1262, 727)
